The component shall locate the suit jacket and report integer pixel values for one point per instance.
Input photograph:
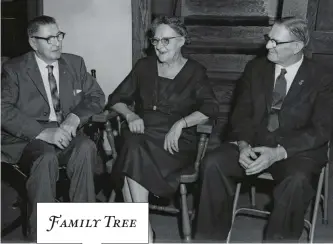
(305, 117)
(24, 106)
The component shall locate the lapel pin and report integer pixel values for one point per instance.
(301, 82)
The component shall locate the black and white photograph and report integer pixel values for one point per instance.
(217, 115)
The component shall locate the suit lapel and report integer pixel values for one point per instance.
(65, 86)
(268, 82)
(35, 75)
(298, 83)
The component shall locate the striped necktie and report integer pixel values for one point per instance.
(54, 94)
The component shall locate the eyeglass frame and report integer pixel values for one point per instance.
(161, 40)
(50, 38)
(276, 43)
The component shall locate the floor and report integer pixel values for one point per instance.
(245, 229)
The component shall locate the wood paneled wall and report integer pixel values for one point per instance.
(141, 18)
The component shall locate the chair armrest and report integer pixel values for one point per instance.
(205, 128)
(104, 116)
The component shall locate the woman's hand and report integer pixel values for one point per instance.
(135, 123)
(172, 137)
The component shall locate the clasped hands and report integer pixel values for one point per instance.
(61, 136)
(136, 125)
(255, 160)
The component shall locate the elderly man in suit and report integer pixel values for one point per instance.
(46, 98)
(281, 123)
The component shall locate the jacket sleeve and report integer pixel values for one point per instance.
(319, 129)
(93, 97)
(241, 119)
(13, 120)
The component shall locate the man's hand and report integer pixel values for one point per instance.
(135, 123)
(246, 155)
(268, 156)
(70, 124)
(172, 137)
(57, 136)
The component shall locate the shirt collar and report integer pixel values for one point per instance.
(294, 66)
(42, 65)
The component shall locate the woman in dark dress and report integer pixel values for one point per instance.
(172, 95)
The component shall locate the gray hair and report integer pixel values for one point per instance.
(34, 24)
(175, 23)
(298, 27)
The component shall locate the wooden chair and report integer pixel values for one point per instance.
(321, 196)
(187, 178)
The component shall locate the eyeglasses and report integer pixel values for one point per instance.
(165, 40)
(52, 39)
(275, 42)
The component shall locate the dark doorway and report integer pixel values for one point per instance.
(15, 15)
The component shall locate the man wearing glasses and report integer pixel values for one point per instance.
(46, 97)
(281, 123)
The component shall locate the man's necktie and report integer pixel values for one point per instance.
(54, 94)
(279, 93)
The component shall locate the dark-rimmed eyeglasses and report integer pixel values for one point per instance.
(165, 40)
(275, 42)
(52, 39)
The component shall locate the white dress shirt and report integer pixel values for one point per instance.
(291, 72)
(45, 77)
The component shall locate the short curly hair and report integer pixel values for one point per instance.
(175, 23)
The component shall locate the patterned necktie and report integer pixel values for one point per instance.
(54, 94)
(279, 93)
(280, 90)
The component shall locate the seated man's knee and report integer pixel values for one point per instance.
(44, 150)
(211, 163)
(298, 178)
(43, 157)
(85, 145)
(223, 160)
(294, 184)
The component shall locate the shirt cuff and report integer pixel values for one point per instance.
(283, 150)
(77, 119)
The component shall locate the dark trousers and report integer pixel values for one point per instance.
(292, 194)
(41, 162)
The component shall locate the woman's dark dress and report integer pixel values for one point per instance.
(160, 102)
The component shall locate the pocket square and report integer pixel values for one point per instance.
(77, 92)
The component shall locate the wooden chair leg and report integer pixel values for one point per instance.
(326, 185)
(185, 214)
(253, 196)
(113, 196)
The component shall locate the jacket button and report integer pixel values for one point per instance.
(45, 113)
